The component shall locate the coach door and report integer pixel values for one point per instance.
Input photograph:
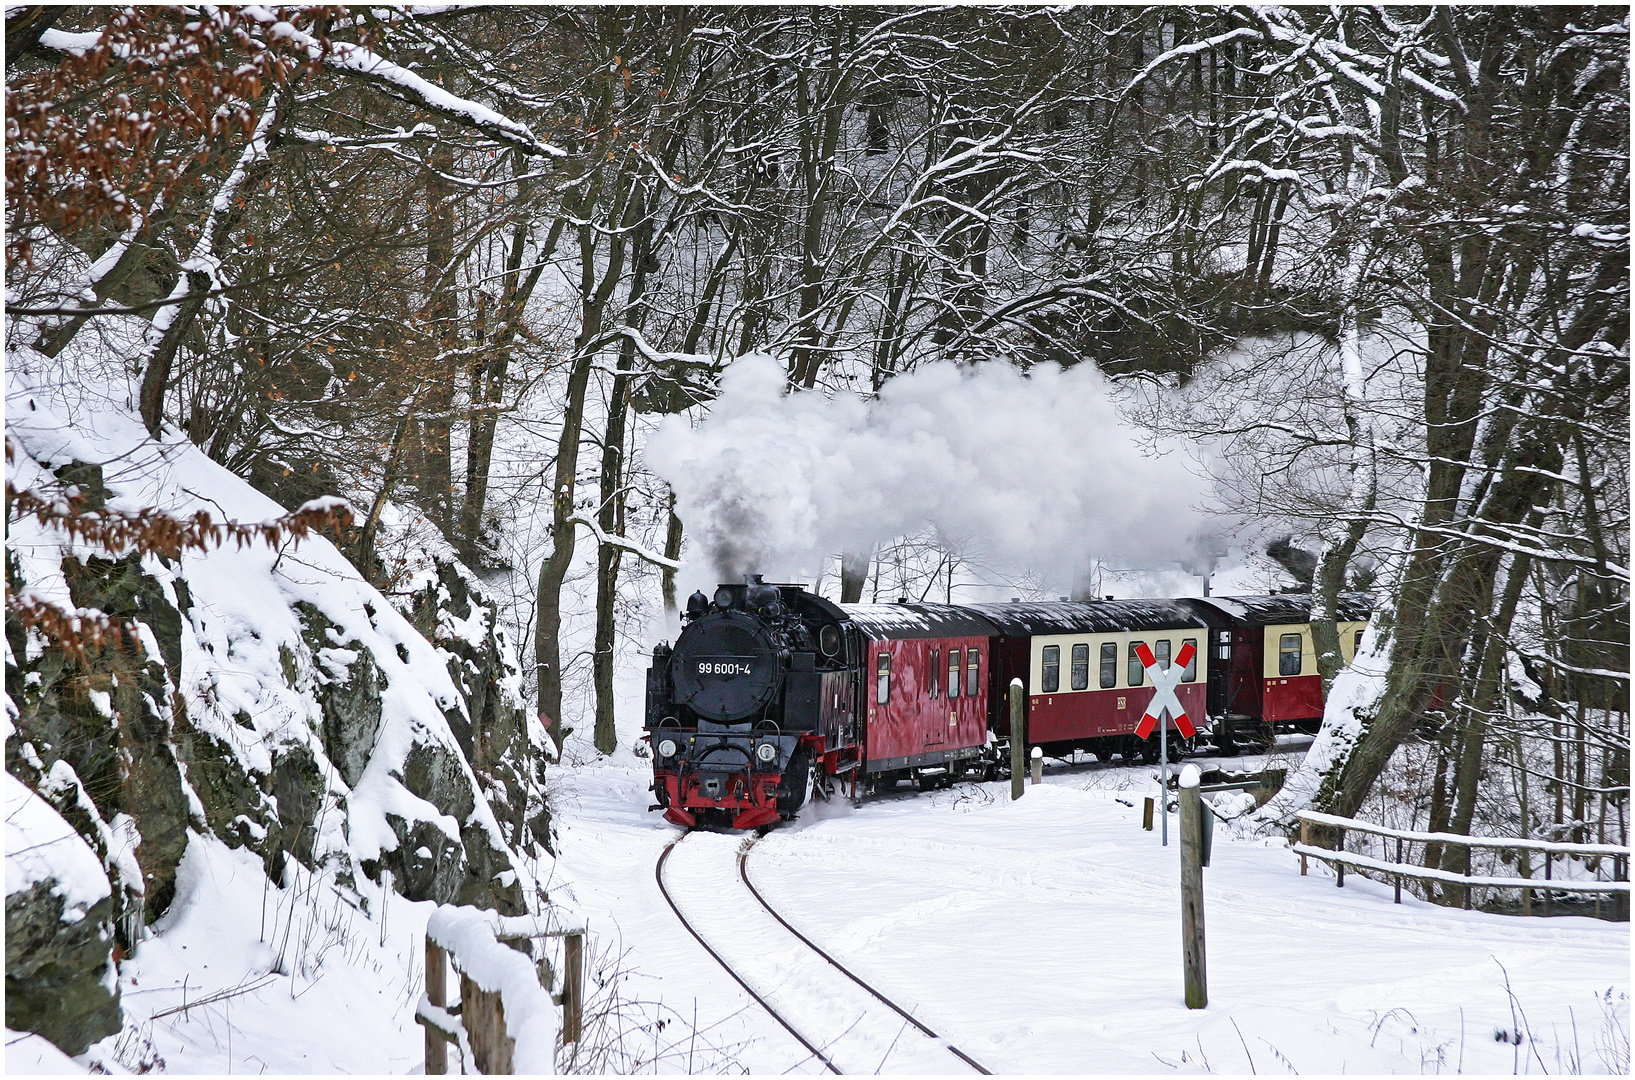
(1219, 698)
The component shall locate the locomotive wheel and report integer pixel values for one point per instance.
(797, 783)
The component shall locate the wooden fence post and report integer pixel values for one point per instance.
(1194, 972)
(1339, 867)
(573, 987)
(1305, 840)
(436, 994)
(1146, 813)
(483, 1014)
(1018, 739)
(1398, 898)
(1549, 901)
(1038, 765)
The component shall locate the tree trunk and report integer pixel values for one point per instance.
(442, 316)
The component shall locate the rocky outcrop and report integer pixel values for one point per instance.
(58, 977)
(59, 927)
(293, 714)
(427, 863)
(505, 746)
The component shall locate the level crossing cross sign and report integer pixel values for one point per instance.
(1164, 683)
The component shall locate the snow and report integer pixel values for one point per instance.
(41, 846)
(30, 1055)
(282, 980)
(1044, 936)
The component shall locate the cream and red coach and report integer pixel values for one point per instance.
(1085, 683)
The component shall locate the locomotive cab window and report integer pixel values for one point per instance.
(1135, 670)
(953, 673)
(1357, 646)
(931, 677)
(1109, 665)
(1288, 655)
(1191, 673)
(973, 669)
(1081, 667)
(882, 678)
(1052, 677)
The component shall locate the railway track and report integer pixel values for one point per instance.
(822, 1052)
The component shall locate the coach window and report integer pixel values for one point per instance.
(1081, 667)
(1135, 669)
(1288, 655)
(973, 671)
(953, 673)
(931, 677)
(1191, 673)
(1357, 648)
(1160, 652)
(1109, 665)
(1052, 680)
(882, 678)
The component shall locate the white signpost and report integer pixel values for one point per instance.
(1164, 705)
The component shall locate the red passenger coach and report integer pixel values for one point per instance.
(925, 676)
(1086, 686)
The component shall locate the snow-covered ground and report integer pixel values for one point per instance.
(1043, 936)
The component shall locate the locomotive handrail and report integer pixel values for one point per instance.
(1495, 842)
(700, 753)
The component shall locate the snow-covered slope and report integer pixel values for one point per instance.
(274, 718)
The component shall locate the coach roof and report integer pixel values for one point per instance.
(917, 620)
(1286, 608)
(1087, 616)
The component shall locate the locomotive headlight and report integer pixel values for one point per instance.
(766, 751)
(667, 748)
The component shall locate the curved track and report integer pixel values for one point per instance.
(743, 872)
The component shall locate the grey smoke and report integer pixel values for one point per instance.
(1039, 471)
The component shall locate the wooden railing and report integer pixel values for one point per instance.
(505, 1020)
(1618, 888)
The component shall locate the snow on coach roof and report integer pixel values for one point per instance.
(1087, 616)
(917, 620)
(1290, 607)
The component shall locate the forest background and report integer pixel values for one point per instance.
(453, 263)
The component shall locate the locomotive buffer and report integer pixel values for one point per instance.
(1164, 704)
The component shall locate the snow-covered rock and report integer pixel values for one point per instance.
(269, 697)
(59, 928)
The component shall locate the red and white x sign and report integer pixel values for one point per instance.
(1164, 683)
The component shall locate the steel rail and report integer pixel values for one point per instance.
(658, 874)
(743, 872)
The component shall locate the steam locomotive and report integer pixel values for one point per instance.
(773, 693)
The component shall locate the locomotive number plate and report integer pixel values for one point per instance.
(724, 665)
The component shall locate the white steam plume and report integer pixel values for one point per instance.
(1039, 471)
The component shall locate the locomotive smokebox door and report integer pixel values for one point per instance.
(729, 671)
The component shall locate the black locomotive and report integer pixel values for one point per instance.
(739, 712)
